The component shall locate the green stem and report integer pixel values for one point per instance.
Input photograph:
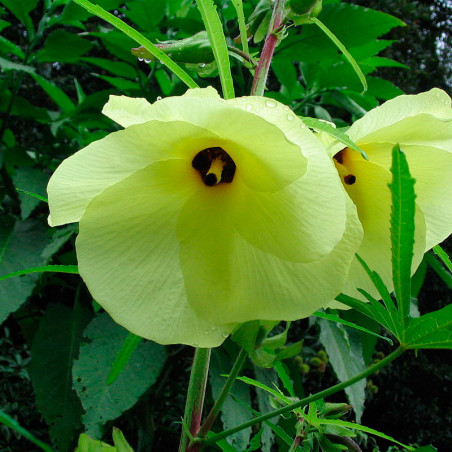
(260, 76)
(195, 398)
(211, 417)
(301, 403)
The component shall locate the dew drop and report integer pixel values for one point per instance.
(249, 107)
(202, 65)
(158, 98)
(225, 334)
(140, 59)
(290, 117)
(270, 103)
(147, 61)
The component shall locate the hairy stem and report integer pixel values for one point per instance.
(301, 403)
(260, 76)
(195, 398)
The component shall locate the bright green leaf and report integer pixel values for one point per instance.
(218, 41)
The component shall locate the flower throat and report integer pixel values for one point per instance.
(215, 166)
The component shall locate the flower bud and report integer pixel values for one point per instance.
(303, 10)
(195, 49)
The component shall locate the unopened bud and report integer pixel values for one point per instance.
(194, 50)
(304, 10)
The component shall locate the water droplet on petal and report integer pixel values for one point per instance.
(249, 107)
(140, 59)
(270, 103)
(290, 117)
(159, 98)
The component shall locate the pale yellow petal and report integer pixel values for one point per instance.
(128, 255)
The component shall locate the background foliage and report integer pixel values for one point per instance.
(59, 65)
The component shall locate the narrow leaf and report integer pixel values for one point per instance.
(238, 5)
(218, 42)
(337, 319)
(432, 330)
(322, 126)
(46, 268)
(41, 198)
(443, 256)
(362, 428)
(439, 269)
(402, 230)
(140, 39)
(122, 358)
(345, 355)
(14, 425)
(342, 48)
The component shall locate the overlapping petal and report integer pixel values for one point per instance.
(248, 139)
(128, 255)
(175, 259)
(103, 163)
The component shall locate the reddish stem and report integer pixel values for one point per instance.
(260, 76)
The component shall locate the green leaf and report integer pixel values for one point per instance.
(362, 428)
(46, 268)
(344, 50)
(443, 256)
(101, 402)
(55, 93)
(7, 65)
(121, 84)
(337, 319)
(88, 444)
(238, 5)
(118, 68)
(147, 15)
(21, 10)
(383, 89)
(274, 392)
(54, 347)
(140, 39)
(64, 47)
(120, 442)
(439, 269)
(345, 354)
(30, 180)
(232, 413)
(322, 126)
(217, 40)
(402, 230)
(432, 330)
(284, 377)
(387, 317)
(122, 358)
(21, 244)
(9, 47)
(34, 195)
(14, 425)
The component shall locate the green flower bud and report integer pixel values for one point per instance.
(302, 6)
(195, 50)
(303, 10)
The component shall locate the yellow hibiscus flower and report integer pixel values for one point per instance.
(204, 213)
(422, 125)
